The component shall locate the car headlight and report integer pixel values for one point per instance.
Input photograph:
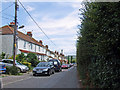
(45, 69)
(34, 69)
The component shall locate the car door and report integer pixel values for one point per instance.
(5, 62)
(10, 63)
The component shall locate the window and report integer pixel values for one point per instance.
(24, 44)
(39, 48)
(31, 45)
(43, 50)
(35, 48)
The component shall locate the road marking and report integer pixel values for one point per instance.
(16, 81)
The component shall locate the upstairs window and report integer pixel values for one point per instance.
(31, 45)
(39, 48)
(24, 44)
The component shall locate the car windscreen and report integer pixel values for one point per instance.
(18, 63)
(43, 65)
(64, 64)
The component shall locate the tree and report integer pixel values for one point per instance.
(20, 57)
(32, 58)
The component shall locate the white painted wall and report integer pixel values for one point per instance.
(7, 44)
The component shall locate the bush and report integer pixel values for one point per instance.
(12, 70)
(32, 58)
(20, 57)
(27, 64)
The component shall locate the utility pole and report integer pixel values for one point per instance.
(71, 58)
(68, 59)
(15, 29)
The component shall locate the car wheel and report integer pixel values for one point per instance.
(60, 70)
(34, 74)
(49, 73)
(19, 70)
(53, 72)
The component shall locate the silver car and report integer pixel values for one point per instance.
(9, 63)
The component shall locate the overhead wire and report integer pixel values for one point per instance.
(6, 8)
(6, 18)
(35, 22)
(8, 15)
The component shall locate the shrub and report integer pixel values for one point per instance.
(27, 64)
(20, 57)
(2, 56)
(12, 70)
(32, 58)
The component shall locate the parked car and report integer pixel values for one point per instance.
(71, 64)
(65, 66)
(56, 64)
(9, 63)
(2, 68)
(45, 68)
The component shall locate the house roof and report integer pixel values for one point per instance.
(6, 30)
(9, 30)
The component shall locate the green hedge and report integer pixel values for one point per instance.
(98, 45)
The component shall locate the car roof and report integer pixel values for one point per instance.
(7, 59)
(43, 62)
(53, 60)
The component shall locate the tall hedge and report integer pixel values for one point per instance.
(98, 44)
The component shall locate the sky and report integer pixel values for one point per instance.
(59, 20)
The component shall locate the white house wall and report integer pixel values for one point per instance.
(0, 43)
(7, 44)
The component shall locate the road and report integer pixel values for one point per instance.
(65, 79)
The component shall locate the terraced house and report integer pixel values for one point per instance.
(26, 44)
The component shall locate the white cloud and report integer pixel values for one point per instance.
(29, 8)
(62, 31)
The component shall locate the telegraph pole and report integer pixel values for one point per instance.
(15, 29)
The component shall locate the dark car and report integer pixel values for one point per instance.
(56, 64)
(45, 68)
(2, 68)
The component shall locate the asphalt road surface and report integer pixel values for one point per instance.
(65, 79)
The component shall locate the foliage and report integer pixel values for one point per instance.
(10, 57)
(2, 56)
(27, 64)
(20, 57)
(73, 61)
(32, 58)
(12, 70)
(98, 44)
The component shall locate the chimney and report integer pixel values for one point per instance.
(12, 24)
(29, 34)
(40, 41)
(47, 46)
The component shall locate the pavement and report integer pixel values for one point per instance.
(65, 79)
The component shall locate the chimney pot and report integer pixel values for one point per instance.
(29, 34)
(40, 41)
